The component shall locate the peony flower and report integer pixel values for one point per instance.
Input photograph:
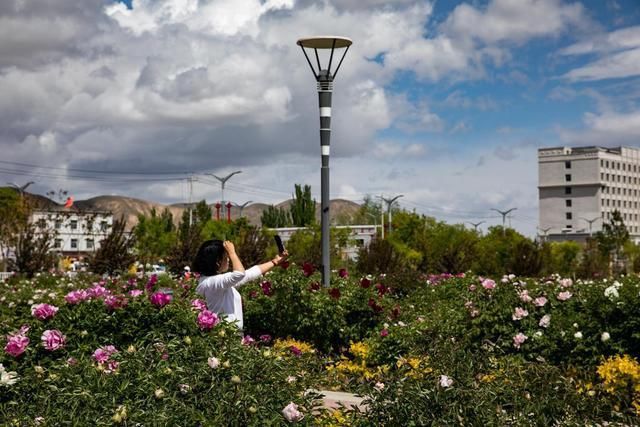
(314, 287)
(604, 337)
(266, 288)
(545, 321)
(213, 362)
(365, 282)
(611, 292)
(519, 313)
(563, 296)
(295, 351)
(445, 381)
(151, 283)
(578, 335)
(75, 297)
(247, 340)
(524, 296)
(207, 319)
(7, 378)
(98, 291)
(160, 299)
(16, 344)
(53, 340)
(343, 273)
(291, 379)
(384, 333)
(335, 293)
(102, 354)
(291, 413)
(198, 305)
(382, 289)
(43, 311)
(472, 287)
(379, 386)
(565, 283)
(135, 293)
(265, 338)
(519, 339)
(488, 284)
(159, 393)
(111, 366)
(540, 301)
(72, 361)
(114, 302)
(235, 379)
(307, 269)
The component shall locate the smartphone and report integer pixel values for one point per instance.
(279, 243)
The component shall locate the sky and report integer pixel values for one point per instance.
(444, 102)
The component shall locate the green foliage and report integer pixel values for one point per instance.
(303, 208)
(381, 256)
(305, 245)
(154, 236)
(115, 251)
(273, 217)
(565, 257)
(33, 250)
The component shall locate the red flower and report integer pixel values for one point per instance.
(382, 289)
(374, 305)
(315, 286)
(384, 333)
(365, 283)
(284, 264)
(343, 273)
(253, 294)
(395, 312)
(334, 292)
(266, 288)
(307, 269)
(295, 350)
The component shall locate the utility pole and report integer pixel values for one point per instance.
(389, 202)
(190, 200)
(476, 224)
(504, 215)
(590, 221)
(242, 206)
(223, 181)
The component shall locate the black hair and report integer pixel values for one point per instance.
(209, 257)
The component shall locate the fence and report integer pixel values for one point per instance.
(5, 275)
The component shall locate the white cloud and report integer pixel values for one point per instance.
(607, 128)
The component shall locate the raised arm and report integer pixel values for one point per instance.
(258, 270)
(236, 264)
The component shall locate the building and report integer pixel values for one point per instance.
(361, 235)
(580, 187)
(77, 233)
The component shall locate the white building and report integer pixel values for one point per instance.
(361, 235)
(580, 187)
(77, 232)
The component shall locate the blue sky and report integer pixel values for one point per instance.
(445, 102)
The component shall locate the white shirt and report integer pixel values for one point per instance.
(221, 294)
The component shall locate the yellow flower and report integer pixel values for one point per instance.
(187, 340)
(360, 350)
(284, 346)
(131, 349)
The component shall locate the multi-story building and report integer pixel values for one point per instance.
(580, 187)
(361, 235)
(77, 232)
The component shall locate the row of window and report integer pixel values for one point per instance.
(73, 224)
(620, 203)
(617, 165)
(73, 243)
(619, 190)
(618, 178)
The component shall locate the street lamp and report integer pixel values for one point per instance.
(504, 214)
(476, 224)
(389, 202)
(242, 206)
(223, 181)
(590, 221)
(324, 77)
(545, 231)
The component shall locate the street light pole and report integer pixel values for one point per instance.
(504, 215)
(389, 203)
(223, 181)
(476, 224)
(590, 221)
(324, 78)
(242, 206)
(545, 231)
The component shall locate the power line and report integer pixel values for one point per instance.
(92, 170)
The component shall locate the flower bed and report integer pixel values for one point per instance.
(450, 350)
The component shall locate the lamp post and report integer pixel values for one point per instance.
(476, 224)
(324, 77)
(545, 231)
(590, 221)
(389, 203)
(223, 181)
(242, 206)
(504, 215)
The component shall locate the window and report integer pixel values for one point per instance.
(58, 224)
(567, 203)
(73, 224)
(567, 177)
(104, 226)
(567, 190)
(568, 215)
(42, 223)
(74, 243)
(569, 226)
(607, 163)
(57, 244)
(601, 163)
(89, 243)
(567, 164)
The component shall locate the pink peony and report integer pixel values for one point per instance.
(265, 338)
(16, 344)
(115, 301)
(207, 319)
(540, 301)
(112, 366)
(295, 351)
(102, 354)
(524, 296)
(135, 293)
(198, 305)
(565, 283)
(384, 332)
(488, 284)
(291, 413)
(247, 340)
(72, 361)
(151, 283)
(563, 296)
(266, 288)
(545, 321)
(53, 339)
(519, 339)
(75, 297)
(98, 291)
(519, 313)
(160, 299)
(43, 311)
(343, 273)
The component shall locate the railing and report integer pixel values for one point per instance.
(5, 275)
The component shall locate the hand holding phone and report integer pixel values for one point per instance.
(279, 244)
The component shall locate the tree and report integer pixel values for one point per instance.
(114, 254)
(33, 250)
(273, 217)
(154, 235)
(303, 208)
(565, 256)
(13, 216)
(611, 241)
